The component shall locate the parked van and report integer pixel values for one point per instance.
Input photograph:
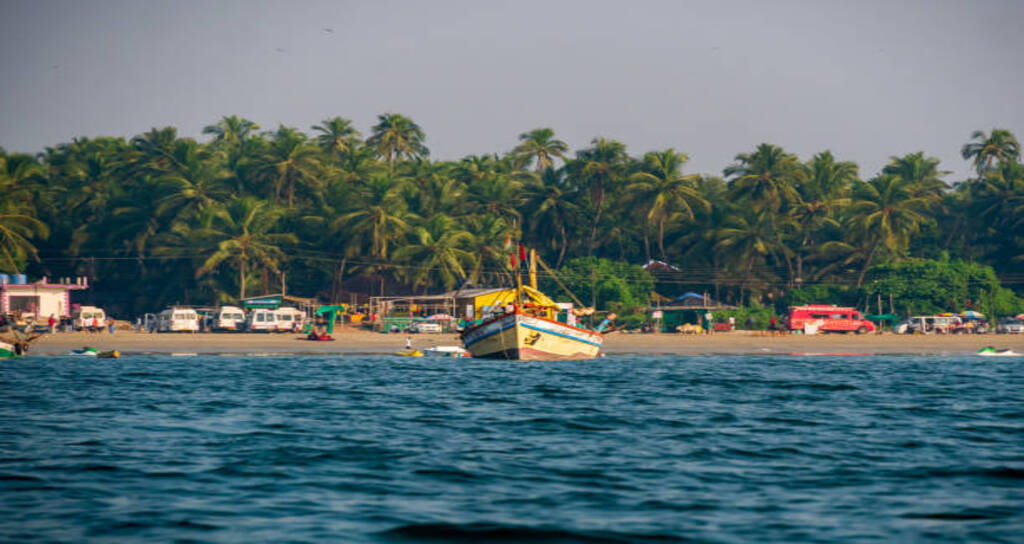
(929, 324)
(177, 320)
(828, 318)
(226, 318)
(289, 319)
(261, 320)
(86, 316)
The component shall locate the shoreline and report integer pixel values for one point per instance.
(353, 342)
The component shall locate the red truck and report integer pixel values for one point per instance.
(828, 318)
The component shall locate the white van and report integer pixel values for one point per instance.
(928, 324)
(86, 316)
(289, 319)
(261, 320)
(177, 320)
(227, 318)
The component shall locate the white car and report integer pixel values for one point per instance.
(425, 327)
(1010, 325)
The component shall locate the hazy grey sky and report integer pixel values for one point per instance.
(865, 79)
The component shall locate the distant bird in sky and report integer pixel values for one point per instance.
(328, 30)
(280, 50)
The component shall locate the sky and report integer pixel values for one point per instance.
(866, 79)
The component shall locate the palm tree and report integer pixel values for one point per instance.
(599, 170)
(433, 188)
(497, 194)
(996, 205)
(663, 190)
(437, 250)
(153, 150)
(884, 214)
(767, 177)
(231, 131)
(998, 146)
(747, 239)
(489, 259)
(192, 183)
(920, 172)
(244, 234)
(396, 136)
(823, 190)
(553, 208)
(540, 146)
(337, 137)
(291, 162)
(16, 231)
(379, 214)
(22, 182)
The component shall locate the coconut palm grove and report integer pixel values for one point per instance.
(159, 219)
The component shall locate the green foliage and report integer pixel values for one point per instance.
(922, 286)
(762, 316)
(336, 213)
(609, 285)
(840, 295)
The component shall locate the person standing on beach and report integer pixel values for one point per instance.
(771, 323)
(52, 323)
(95, 325)
(708, 322)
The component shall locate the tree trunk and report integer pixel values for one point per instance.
(867, 264)
(339, 276)
(599, 205)
(241, 281)
(565, 245)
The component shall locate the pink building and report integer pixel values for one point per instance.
(41, 299)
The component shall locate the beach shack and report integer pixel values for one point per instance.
(272, 302)
(39, 299)
(684, 312)
(401, 313)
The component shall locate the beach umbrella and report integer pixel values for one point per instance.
(971, 314)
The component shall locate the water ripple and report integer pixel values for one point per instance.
(625, 449)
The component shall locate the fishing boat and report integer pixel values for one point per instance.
(16, 345)
(523, 325)
(8, 351)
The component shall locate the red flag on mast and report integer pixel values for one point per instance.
(512, 259)
(522, 253)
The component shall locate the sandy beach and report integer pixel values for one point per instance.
(350, 341)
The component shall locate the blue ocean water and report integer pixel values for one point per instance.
(623, 449)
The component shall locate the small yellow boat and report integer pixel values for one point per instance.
(409, 353)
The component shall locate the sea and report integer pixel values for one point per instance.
(626, 448)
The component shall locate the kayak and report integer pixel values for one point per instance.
(409, 353)
(993, 352)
